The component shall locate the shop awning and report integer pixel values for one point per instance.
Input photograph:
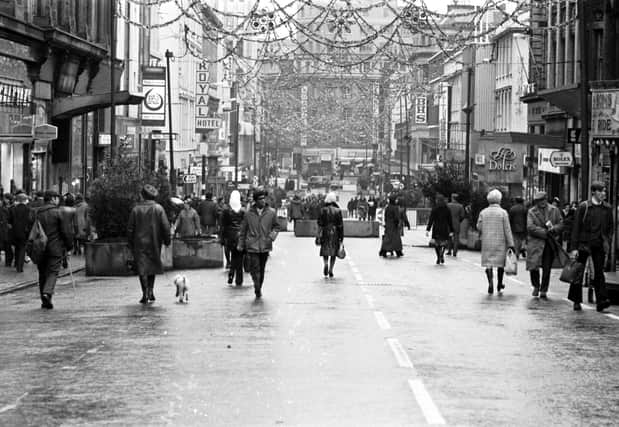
(550, 141)
(15, 138)
(567, 98)
(70, 106)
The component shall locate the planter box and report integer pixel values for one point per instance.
(283, 223)
(309, 228)
(107, 258)
(197, 253)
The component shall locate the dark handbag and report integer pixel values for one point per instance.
(318, 240)
(569, 274)
(341, 252)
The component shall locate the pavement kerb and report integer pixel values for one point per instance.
(29, 283)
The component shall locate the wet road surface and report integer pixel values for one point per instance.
(386, 342)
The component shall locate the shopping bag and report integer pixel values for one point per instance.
(511, 263)
(341, 252)
(569, 273)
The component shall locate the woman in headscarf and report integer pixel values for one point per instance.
(441, 225)
(392, 242)
(331, 232)
(231, 219)
(496, 238)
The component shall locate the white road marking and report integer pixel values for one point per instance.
(399, 353)
(425, 402)
(370, 300)
(612, 316)
(14, 405)
(382, 321)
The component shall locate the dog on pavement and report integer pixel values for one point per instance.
(182, 288)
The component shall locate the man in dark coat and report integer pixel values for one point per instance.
(208, 212)
(591, 231)
(5, 230)
(518, 223)
(457, 216)
(259, 230)
(20, 221)
(59, 241)
(147, 230)
(295, 209)
(544, 224)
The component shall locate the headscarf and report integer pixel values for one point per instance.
(331, 198)
(235, 201)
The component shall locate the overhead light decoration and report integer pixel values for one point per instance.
(263, 21)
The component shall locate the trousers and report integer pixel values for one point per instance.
(48, 273)
(257, 263)
(236, 266)
(598, 257)
(547, 258)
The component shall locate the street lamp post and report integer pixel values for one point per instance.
(112, 83)
(169, 55)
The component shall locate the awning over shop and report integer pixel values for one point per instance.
(550, 141)
(70, 106)
(567, 98)
(7, 138)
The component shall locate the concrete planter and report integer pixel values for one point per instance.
(309, 228)
(197, 253)
(107, 258)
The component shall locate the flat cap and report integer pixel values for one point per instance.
(540, 195)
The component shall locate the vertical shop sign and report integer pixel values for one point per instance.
(421, 115)
(304, 115)
(153, 107)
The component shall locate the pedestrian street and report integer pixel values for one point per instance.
(386, 342)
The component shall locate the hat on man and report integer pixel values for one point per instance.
(258, 194)
(540, 195)
(21, 198)
(149, 192)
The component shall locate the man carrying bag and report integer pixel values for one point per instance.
(593, 224)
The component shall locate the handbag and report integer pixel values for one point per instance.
(341, 252)
(318, 240)
(511, 263)
(569, 273)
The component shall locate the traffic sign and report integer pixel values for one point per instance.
(190, 179)
(46, 131)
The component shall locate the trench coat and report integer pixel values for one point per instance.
(391, 239)
(258, 231)
(538, 233)
(147, 230)
(496, 236)
(331, 229)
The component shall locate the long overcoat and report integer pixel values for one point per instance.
(332, 229)
(147, 230)
(538, 233)
(496, 235)
(391, 239)
(440, 224)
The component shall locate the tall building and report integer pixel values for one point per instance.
(55, 70)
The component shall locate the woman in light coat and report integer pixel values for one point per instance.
(496, 238)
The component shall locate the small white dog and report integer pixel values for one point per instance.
(182, 288)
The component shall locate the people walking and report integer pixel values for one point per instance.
(295, 210)
(362, 208)
(259, 230)
(392, 241)
(84, 229)
(441, 225)
(5, 230)
(20, 222)
(457, 216)
(187, 222)
(67, 210)
(59, 242)
(372, 206)
(148, 229)
(208, 215)
(231, 220)
(331, 232)
(496, 238)
(518, 224)
(591, 231)
(544, 224)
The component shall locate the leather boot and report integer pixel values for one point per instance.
(490, 281)
(500, 286)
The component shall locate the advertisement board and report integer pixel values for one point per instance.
(154, 87)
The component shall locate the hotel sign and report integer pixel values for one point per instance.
(605, 113)
(204, 124)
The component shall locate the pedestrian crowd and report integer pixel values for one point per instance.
(575, 238)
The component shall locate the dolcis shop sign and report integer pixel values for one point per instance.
(503, 159)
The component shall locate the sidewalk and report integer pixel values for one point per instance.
(11, 280)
